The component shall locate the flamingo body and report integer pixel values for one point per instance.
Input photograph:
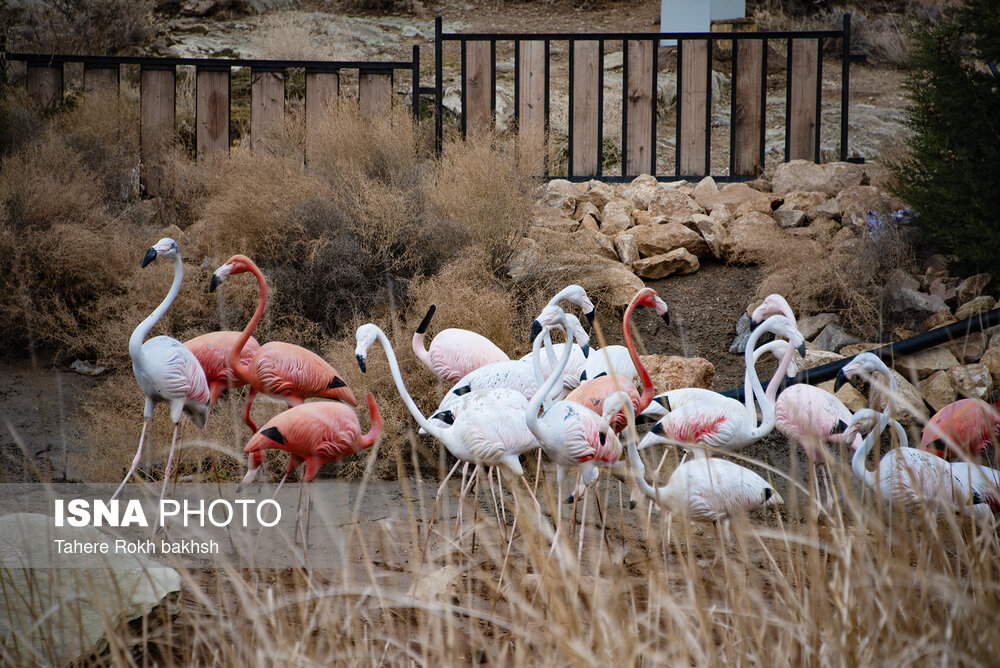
(453, 353)
(211, 350)
(317, 433)
(812, 417)
(286, 371)
(609, 359)
(593, 393)
(452, 404)
(168, 372)
(984, 480)
(512, 375)
(971, 424)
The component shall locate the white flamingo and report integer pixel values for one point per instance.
(454, 352)
(492, 436)
(569, 433)
(165, 369)
(720, 422)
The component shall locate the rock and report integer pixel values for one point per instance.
(946, 289)
(748, 236)
(816, 357)
(614, 284)
(801, 200)
(820, 230)
(856, 348)
(84, 591)
(991, 360)
(828, 209)
(970, 348)
(830, 178)
(722, 214)
(855, 203)
(665, 237)
(743, 329)
(937, 390)
(616, 217)
(922, 305)
(607, 246)
(641, 190)
(938, 319)
(975, 307)
(972, 287)
(670, 372)
(847, 394)
(597, 193)
(86, 368)
(811, 325)
(758, 204)
(845, 239)
(705, 192)
(586, 208)
(553, 218)
(561, 194)
(627, 249)
(789, 218)
(900, 279)
(590, 224)
(712, 231)
(972, 380)
(926, 362)
(833, 338)
(910, 410)
(677, 261)
(673, 205)
(641, 217)
(937, 266)
(441, 584)
(735, 196)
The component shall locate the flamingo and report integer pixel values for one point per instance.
(592, 393)
(166, 370)
(701, 489)
(906, 477)
(720, 422)
(211, 350)
(569, 433)
(316, 433)
(484, 436)
(964, 427)
(571, 376)
(806, 414)
(283, 371)
(984, 480)
(454, 352)
(613, 359)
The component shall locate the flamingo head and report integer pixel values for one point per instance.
(648, 297)
(165, 247)
(573, 293)
(780, 325)
(578, 296)
(773, 304)
(237, 264)
(864, 364)
(862, 422)
(365, 336)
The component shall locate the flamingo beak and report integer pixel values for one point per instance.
(361, 362)
(841, 379)
(666, 317)
(536, 329)
(590, 317)
(802, 349)
(214, 284)
(150, 255)
(586, 349)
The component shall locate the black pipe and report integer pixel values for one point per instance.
(935, 337)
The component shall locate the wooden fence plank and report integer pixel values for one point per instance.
(694, 97)
(156, 114)
(98, 77)
(322, 91)
(586, 110)
(45, 83)
(747, 160)
(801, 114)
(531, 104)
(212, 112)
(267, 105)
(478, 88)
(640, 108)
(375, 91)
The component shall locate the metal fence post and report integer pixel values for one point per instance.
(438, 86)
(845, 84)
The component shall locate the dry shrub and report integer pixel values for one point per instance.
(289, 36)
(93, 27)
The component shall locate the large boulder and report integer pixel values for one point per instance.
(597, 193)
(673, 205)
(712, 231)
(972, 287)
(671, 373)
(919, 304)
(975, 307)
(677, 261)
(833, 338)
(811, 325)
(926, 362)
(802, 200)
(665, 237)
(830, 178)
(855, 203)
(972, 380)
(748, 236)
(937, 390)
(616, 217)
(561, 194)
(627, 249)
(641, 190)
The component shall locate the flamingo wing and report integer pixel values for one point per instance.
(284, 369)
(211, 349)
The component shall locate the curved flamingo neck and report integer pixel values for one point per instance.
(432, 429)
(536, 427)
(647, 383)
(241, 370)
(751, 378)
(368, 440)
(861, 455)
(140, 332)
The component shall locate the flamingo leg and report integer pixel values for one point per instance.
(583, 526)
(503, 511)
(461, 499)
(538, 474)
(430, 523)
(538, 508)
(166, 473)
(501, 523)
(560, 476)
(604, 528)
(458, 513)
(513, 527)
(135, 460)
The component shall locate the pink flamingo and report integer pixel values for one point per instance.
(454, 352)
(211, 350)
(592, 393)
(569, 433)
(722, 423)
(166, 370)
(805, 414)
(283, 371)
(962, 428)
(492, 436)
(316, 433)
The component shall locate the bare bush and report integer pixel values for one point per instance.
(94, 27)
